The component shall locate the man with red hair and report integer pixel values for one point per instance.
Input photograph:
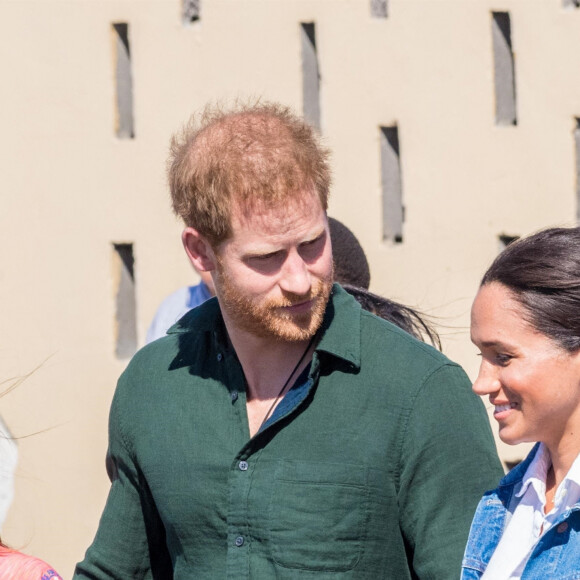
(279, 431)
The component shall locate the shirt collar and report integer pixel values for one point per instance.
(340, 326)
(536, 472)
(574, 473)
(572, 479)
(200, 319)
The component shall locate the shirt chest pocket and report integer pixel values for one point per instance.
(317, 516)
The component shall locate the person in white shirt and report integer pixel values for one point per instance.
(8, 461)
(526, 322)
(179, 303)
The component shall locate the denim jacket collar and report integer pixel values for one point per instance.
(560, 547)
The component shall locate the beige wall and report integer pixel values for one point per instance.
(70, 188)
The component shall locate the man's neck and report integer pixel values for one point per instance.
(267, 362)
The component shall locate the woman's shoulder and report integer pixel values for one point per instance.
(15, 565)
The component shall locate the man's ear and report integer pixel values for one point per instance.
(198, 250)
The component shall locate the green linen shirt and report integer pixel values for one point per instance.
(371, 468)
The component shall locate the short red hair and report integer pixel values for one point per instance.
(259, 154)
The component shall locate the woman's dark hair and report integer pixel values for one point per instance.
(350, 262)
(542, 273)
(400, 315)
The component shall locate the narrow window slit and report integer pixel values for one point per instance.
(505, 240)
(124, 124)
(126, 311)
(310, 74)
(379, 8)
(391, 183)
(504, 70)
(190, 11)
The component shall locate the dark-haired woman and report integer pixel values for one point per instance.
(526, 322)
(405, 317)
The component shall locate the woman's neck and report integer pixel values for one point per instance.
(562, 456)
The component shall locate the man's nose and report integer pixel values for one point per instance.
(487, 381)
(295, 277)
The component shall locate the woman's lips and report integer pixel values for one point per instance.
(502, 411)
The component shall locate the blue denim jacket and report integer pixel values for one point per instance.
(557, 554)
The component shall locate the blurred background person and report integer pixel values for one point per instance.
(15, 565)
(526, 323)
(179, 303)
(349, 259)
(8, 461)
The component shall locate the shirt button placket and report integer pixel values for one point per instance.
(238, 564)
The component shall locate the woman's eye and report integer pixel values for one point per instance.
(502, 359)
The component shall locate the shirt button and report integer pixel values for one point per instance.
(239, 541)
(234, 395)
(219, 356)
(243, 465)
(562, 528)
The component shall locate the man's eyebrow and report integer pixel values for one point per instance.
(260, 252)
(315, 237)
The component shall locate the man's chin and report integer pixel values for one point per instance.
(280, 321)
(296, 328)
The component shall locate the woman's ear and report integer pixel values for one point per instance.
(198, 250)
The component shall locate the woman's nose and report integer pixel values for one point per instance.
(487, 381)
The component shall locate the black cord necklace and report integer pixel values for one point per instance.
(267, 415)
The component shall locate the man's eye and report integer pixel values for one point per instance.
(265, 257)
(266, 263)
(312, 249)
(314, 241)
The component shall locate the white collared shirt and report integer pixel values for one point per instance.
(528, 522)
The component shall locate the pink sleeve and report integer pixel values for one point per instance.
(22, 567)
